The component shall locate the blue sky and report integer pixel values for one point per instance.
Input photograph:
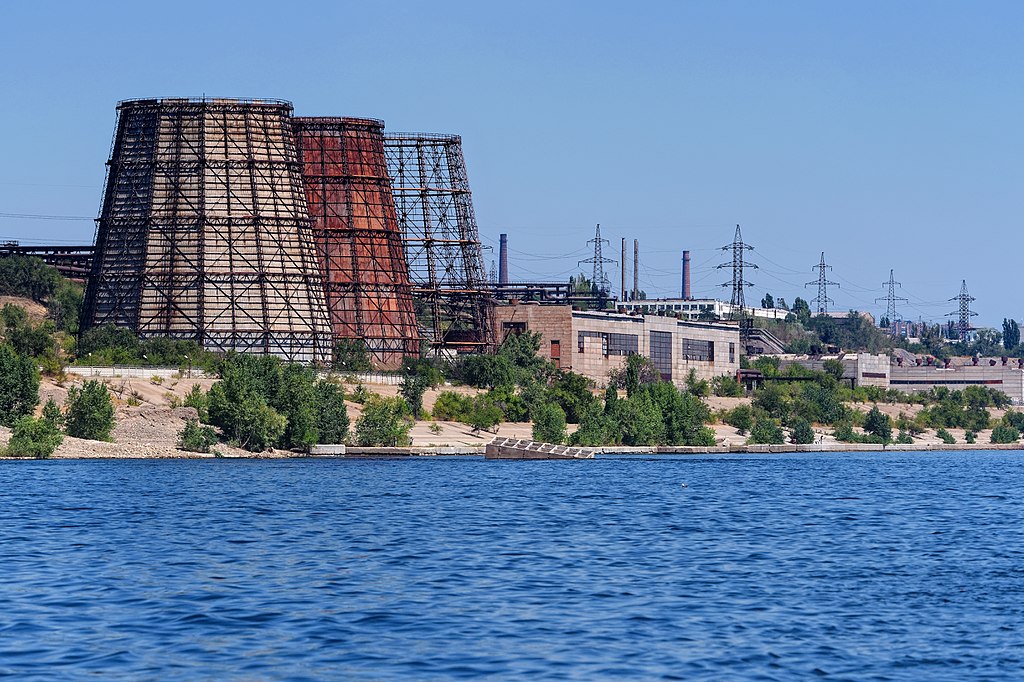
(887, 135)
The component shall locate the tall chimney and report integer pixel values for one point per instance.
(686, 276)
(625, 294)
(636, 269)
(503, 260)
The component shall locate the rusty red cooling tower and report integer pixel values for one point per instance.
(357, 235)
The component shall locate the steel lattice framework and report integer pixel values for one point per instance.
(205, 233)
(357, 235)
(442, 244)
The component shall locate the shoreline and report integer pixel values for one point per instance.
(478, 451)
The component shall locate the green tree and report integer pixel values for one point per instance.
(414, 385)
(384, 422)
(801, 433)
(196, 438)
(1004, 433)
(726, 387)
(89, 411)
(741, 418)
(483, 414)
(19, 385)
(549, 423)
(28, 276)
(350, 355)
(767, 432)
(64, 306)
(802, 310)
(295, 399)
(639, 420)
(451, 406)
(878, 424)
(572, 393)
(257, 426)
(32, 437)
(767, 301)
(332, 415)
(200, 401)
(834, 368)
(1011, 334)
(52, 414)
(945, 436)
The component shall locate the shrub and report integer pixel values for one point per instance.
(350, 356)
(332, 416)
(726, 387)
(801, 433)
(844, 433)
(196, 438)
(257, 426)
(548, 423)
(198, 400)
(52, 414)
(451, 406)
(698, 387)
(904, 438)
(1014, 419)
(19, 385)
(89, 411)
(741, 418)
(384, 423)
(878, 424)
(1004, 433)
(766, 432)
(970, 437)
(33, 438)
(483, 415)
(945, 436)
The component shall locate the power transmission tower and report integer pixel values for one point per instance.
(890, 302)
(599, 279)
(738, 283)
(963, 325)
(822, 298)
(494, 273)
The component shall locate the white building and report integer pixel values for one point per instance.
(690, 309)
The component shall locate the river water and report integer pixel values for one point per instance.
(897, 566)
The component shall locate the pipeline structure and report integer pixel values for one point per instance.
(359, 243)
(205, 233)
(454, 303)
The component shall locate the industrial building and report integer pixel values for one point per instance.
(358, 240)
(596, 343)
(693, 308)
(205, 232)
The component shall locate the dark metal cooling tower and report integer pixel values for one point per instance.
(442, 243)
(359, 243)
(205, 233)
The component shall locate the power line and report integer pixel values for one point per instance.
(39, 216)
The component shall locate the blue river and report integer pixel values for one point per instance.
(895, 566)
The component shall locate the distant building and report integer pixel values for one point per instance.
(691, 309)
(596, 343)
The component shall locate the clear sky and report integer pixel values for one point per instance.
(886, 134)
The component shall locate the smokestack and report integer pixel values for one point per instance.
(686, 275)
(625, 294)
(636, 268)
(503, 260)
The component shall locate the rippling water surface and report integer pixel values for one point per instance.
(862, 566)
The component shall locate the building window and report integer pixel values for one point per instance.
(732, 352)
(698, 351)
(556, 353)
(611, 344)
(661, 353)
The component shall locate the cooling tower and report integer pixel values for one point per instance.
(442, 243)
(357, 236)
(205, 233)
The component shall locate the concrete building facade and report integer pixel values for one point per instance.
(691, 309)
(594, 343)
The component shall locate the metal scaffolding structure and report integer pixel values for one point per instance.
(442, 244)
(205, 233)
(358, 239)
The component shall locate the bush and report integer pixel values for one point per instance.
(878, 424)
(52, 414)
(350, 355)
(332, 415)
(483, 415)
(452, 407)
(726, 387)
(198, 400)
(33, 438)
(698, 387)
(19, 385)
(741, 418)
(196, 438)
(970, 437)
(384, 423)
(945, 436)
(904, 438)
(801, 433)
(89, 411)
(766, 432)
(257, 426)
(1004, 433)
(548, 423)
